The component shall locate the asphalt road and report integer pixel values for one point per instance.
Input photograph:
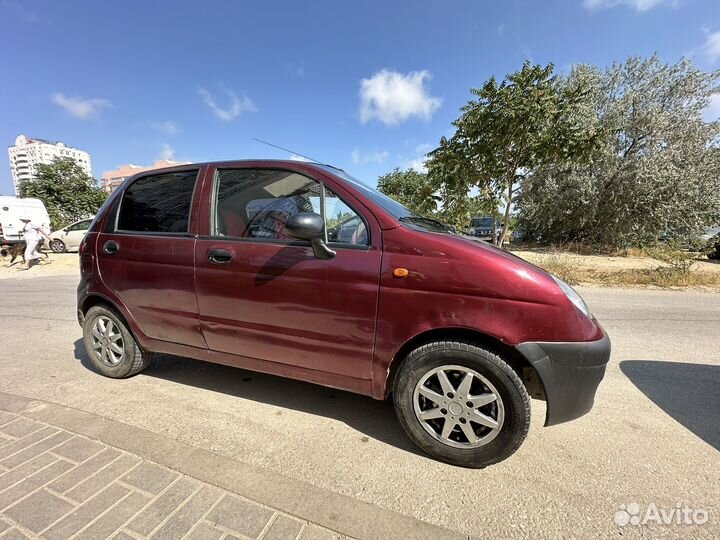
(653, 436)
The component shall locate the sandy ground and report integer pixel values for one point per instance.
(56, 264)
(605, 263)
(67, 264)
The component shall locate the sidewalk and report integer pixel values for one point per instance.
(67, 474)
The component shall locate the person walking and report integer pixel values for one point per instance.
(32, 234)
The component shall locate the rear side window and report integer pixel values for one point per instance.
(158, 203)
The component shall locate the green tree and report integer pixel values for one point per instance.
(68, 192)
(452, 175)
(516, 126)
(656, 168)
(411, 188)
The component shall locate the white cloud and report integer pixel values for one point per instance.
(393, 97)
(712, 111)
(237, 105)
(712, 46)
(360, 158)
(168, 127)
(80, 107)
(167, 152)
(419, 163)
(297, 157)
(639, 5)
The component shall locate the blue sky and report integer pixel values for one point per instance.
(364, 85)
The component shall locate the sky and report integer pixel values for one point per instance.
(364, 85)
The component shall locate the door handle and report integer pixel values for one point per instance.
(111, 247)
(219, 256)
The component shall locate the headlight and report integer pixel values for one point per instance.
(572, 295)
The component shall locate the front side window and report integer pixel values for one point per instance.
(158, 203)
(257, 203)
(80, 225)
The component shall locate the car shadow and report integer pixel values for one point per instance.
(687, 392)
(373, 418)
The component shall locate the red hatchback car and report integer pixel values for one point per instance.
(299, 270)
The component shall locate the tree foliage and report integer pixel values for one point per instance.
(69, 194)
(411, 188)
(655, 169)
(508, 131)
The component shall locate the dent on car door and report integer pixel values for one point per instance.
(268, 297)
(146, 256)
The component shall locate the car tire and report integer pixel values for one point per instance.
(57, 246)
(111, 346)
(499, 423)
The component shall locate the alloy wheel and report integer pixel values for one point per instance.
(107, 341)
(458, 406)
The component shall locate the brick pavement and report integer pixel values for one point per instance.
(58, 485)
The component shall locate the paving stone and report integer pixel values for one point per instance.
(153, 515)
(35, 450)
(313, 532)
(31, 483)
(187, 515)
(20, 427)
(86, 489)
(84, 470)
(283, 528)
(241, 516)
(115, 517)
(123, 536)
(18, 445)
(91, 509)
(79, 449)
(150, 477)
(26, 469)
(13, 534)
(206, 532)
(6, 417)
(38, 511)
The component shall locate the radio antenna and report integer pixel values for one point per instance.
(285, 149)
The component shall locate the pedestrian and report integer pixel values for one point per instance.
(32, 234)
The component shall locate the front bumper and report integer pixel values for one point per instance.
(570, 373)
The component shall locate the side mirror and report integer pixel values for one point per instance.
(310, 226)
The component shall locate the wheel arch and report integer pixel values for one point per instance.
(96, 299)
(508, 353)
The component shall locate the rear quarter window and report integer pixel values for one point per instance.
(158, 203)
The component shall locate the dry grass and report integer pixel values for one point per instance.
(658, 267)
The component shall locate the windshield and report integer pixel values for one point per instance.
(391, 206)
(482, 222)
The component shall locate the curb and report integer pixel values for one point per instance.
(317, 505)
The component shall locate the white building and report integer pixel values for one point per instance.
(28, 153)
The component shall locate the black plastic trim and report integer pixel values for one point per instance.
(570, 373)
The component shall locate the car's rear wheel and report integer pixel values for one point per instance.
(58, 246)
(461, 403)
(111, 346)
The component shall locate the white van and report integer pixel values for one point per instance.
(14, 208)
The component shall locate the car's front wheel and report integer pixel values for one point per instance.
(461, 403)
(111, 346)
(58, 246)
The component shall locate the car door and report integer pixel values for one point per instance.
(146, 255)
(263, 294)
(75, 232)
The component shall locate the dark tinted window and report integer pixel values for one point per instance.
(158, 203)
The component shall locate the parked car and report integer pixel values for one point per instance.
(69, 238)
(299, 270)
(482, 227)
(14, 208)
